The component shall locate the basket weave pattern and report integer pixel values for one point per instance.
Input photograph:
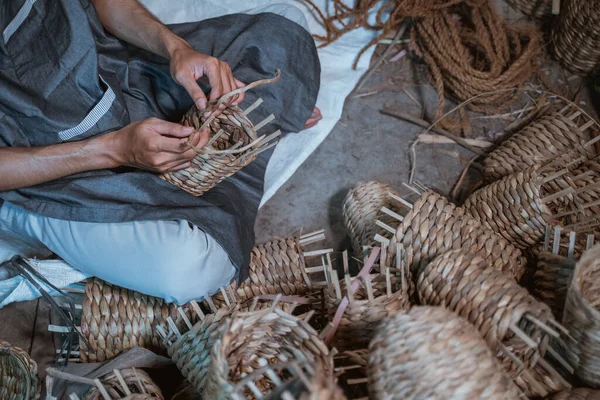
(576, 36)
(548, 137)
(18, 374)
(577, 394)
(362, 208)
(582, 318)
(536, 9)
(139, 383)
(434, 354)
(490, 300)
(551, 281)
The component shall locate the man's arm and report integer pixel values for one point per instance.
(130, 21)
(151, 144)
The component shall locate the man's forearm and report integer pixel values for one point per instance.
(28, 166)
(130, 21)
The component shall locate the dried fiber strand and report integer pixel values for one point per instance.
(138, 383)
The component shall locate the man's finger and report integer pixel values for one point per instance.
(239, 85)
(191, 86)
(199, 139)
(216, 86)
(172, 129)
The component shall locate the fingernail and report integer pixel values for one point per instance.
(207, 114)
(188, 129)
(201, 103)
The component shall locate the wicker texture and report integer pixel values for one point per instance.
(210, 166)
(490, 300)
(577, 394)
(115, 319)
(362, 316)
(548, 137)
(576, 35)
(430, 353)
(320, 386)
(551, 281)
(270, 335)
(18, 374)
(435, 225)
(362, 208)
(138, 382)
(582, 318)
(536, 9)
(351, 368)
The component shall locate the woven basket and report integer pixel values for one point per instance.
(548, 137)
(551, 281)
(576, 36)
(577, 394)
(493, 302)
(582, 318)
(351, 370)
(248, 342)
(319, 386)
(276, 267)
(362, 209)
(115, 319)
(435, 225)
(362, 316)
(536, 9)
(18, 374)
(233, 145)
(430, 353)
(138, 382)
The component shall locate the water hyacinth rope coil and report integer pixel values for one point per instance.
(18, 374)
(432, 353)
(536, 9)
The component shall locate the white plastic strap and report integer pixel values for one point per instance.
(18, 20)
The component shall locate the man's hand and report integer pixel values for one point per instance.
(155, 145)
(188, 65)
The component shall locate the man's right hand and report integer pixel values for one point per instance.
(155, 145)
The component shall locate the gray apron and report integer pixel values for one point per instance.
(62, 78)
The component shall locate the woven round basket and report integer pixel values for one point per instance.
(233, 145)
(577, 394)
(435, 225)
(551, 281)
(492, 301)
(582, 318)
(548, 137)
(362, 316)
(430, 353)
(576, 36)
(362, 209)
(115, 319)
(536, 9)
(139, 384)
(248, 343)
(18, 374)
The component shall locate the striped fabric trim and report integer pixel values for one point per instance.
(18, 20)
(93, 117)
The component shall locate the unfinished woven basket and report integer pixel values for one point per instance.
(548, 137)
(576, 36)
(430, 353)
(435, 225)
(255, 343)
(536, 9)
(233, 145)
(551, 281)
(492, 301)
(582, 318)
(138, 383)
(18, 374)
(362, 209)
(115, 319)
(577, 394)
(276, 267)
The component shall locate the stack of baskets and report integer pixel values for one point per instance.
(18, 374)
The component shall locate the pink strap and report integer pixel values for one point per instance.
(345, 301)
(285, 299)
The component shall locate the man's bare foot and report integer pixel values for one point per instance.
(315, 117)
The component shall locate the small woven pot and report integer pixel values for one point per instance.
(18, 374)
(582, 318)
(435, 225)
(115, 319)
(138, 382)
(548, 137)
(250, 341)
(551, 281)
(577, 394)
(362, 316)
(224, 155)
(493, 302)
(362, 209)
(536, 9)
(430, 353)
(576, 36)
